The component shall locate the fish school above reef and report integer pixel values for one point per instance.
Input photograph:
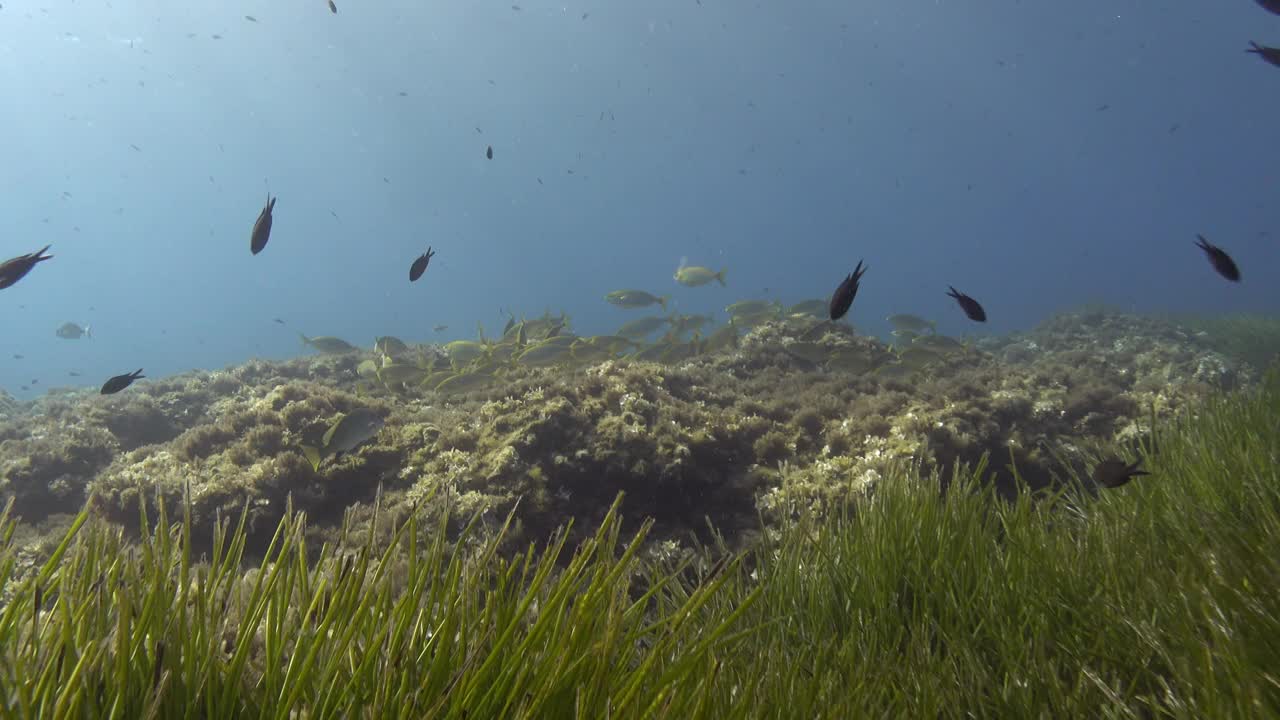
(792, 416)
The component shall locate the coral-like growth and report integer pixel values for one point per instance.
(795, 418)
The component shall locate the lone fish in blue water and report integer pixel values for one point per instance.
(262, 227)
(1219, 258)
(970, 306)
(842, 298)
(13, 270)
(419, 266)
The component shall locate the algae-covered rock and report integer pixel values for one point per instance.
(797, 417)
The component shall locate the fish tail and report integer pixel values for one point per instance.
(720, 276)
(305, 340)
(662, 301)
(88, 331)
(312, 453)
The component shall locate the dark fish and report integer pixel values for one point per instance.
(13, 270)
(1271, 6)
(1270, 54)
(1115, 472)
(842, 298)
(262, 227)
(440, 328)
(16, 356)
(73, 373)
(333, 8)
(419, 266)
(250, 18)
(120, 382)
(278, 321)
(488, 152)
(969, 305)
(1222, 262)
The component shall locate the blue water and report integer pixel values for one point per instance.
(1035, 155)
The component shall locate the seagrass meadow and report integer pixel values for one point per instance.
(667, 359)
(1157, 599)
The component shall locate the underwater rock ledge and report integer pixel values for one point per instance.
(773, 427)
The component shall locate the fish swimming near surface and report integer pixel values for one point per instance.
(120, 382)
(14, 269)
(694, 276)
(419, 266)
(1270, 54)
(488, 152)
(262, 227)
(1113, 472)
(72, 331)
(970, 306)
(346, 434)
(1219, 258)
(333, 7)
(842, 298)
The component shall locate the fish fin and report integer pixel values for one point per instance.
(662, 300)
(720, 276)
(305, 340)
(88, 331)
(312, 453)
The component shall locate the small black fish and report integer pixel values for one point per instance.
(419, 266)
(277, 321)
(262, 227)
(488, 152)
(18, 357)
(969, 305)
(1270, 54)
(1271, 6)
(333, 8)
(250, 18)
(120, 382)
(1222, 262)
(13, 270)
(842, 298)
(73, 373)
(1114, 472)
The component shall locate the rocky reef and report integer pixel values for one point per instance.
(778, 424)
